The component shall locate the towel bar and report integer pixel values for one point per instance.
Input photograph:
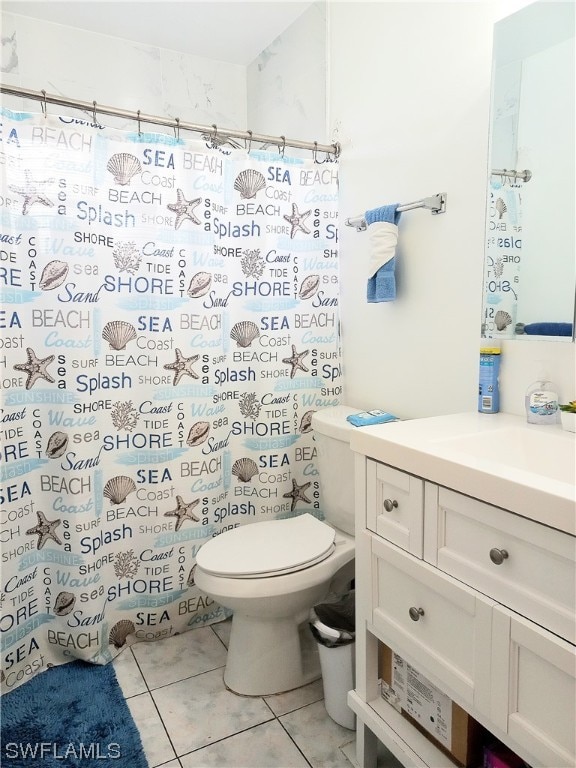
(435, 204)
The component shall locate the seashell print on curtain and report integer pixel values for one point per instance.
(169, 326)
(503, 259)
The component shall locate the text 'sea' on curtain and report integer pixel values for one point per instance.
(169, 325)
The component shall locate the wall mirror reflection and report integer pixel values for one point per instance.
(530, 264)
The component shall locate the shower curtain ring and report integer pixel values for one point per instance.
(283, 149)
(337, 150)
(94, 112)
(138, 118)
(250, 144)
(177, 129)
(315, 155)
(213, 136)
(44, 104)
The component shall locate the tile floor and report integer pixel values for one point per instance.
(188, 719)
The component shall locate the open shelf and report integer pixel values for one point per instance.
(397, 734)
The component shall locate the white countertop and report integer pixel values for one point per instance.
(499, 458)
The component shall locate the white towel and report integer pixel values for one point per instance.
(383, 238)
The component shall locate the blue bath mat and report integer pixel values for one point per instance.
(71, 715)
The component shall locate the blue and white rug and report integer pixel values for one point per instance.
(70, 715)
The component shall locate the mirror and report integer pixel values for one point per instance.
(530, 263)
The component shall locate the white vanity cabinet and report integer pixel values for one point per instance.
(478, 598)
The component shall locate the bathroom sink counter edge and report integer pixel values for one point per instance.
(524, 468)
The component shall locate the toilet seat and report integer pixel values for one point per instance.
(269, 548)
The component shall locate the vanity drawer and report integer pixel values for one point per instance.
(534, 689)
(522, 564)
(395, 506)
(442, 626)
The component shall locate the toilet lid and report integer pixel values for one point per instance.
(269, 548)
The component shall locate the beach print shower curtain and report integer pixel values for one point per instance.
(169, 326)
(502, 269)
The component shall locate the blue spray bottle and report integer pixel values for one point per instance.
(488, 391)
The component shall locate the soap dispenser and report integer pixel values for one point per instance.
(542, 402)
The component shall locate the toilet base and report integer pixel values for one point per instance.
(267, 657)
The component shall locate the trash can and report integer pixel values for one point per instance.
(333, 627)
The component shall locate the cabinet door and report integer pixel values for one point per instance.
(395, 506)
(442, 627)
(525, 565)
(534, 690)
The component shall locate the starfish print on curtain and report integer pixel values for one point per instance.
(35, 367)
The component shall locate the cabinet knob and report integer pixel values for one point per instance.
(498, 556)
(390, 504)
(415, 613)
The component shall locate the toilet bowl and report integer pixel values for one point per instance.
(271, 573)
(264, 653)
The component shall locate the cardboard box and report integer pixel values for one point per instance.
(433, 713)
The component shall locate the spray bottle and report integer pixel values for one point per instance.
(488, 391)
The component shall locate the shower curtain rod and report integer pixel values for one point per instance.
(524, 175)
(212, 130)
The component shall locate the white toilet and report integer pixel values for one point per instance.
(271, 573)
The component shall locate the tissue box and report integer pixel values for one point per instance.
(446, 724)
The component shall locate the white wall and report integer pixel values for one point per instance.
(283, 92)
(409, 100)
(287, 81)
(120, 73)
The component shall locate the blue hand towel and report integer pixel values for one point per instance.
(388, 213)
(548, 329)
(383, 229)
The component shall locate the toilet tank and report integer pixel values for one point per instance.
(335, 462)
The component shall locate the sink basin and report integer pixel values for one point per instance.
(549, 454)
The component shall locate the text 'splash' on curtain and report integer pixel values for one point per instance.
(169, 325)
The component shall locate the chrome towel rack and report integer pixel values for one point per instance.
(435, 204)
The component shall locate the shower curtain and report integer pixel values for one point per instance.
(169, 326)
(502, 268)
